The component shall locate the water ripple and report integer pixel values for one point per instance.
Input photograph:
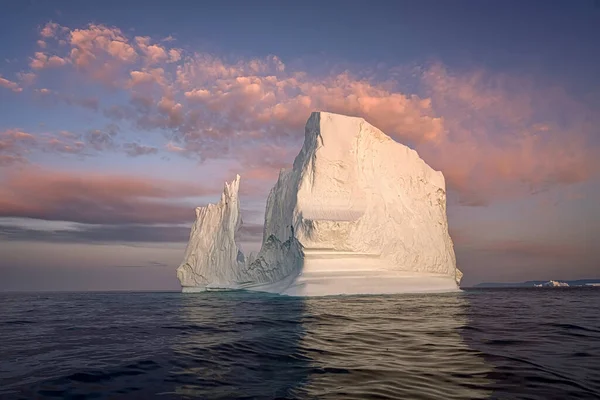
(481, 344)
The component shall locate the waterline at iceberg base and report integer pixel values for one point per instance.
(358, 213)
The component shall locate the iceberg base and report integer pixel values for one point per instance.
(326, 274)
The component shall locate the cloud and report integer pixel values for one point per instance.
(263, 161)
(98, 51)
(504, 137)
(59, 145)
(14, 146)
(99, 41)
(18, 147)
(50, 30)
(153, 53)
(135, 149)
(494, 136)
(148, 76)
(5, 83)
(172, 110)
(96, 198)
(102, 140)
(41, 61)
(251, 98)
(174, 55)
(123, 233)
(99, 234)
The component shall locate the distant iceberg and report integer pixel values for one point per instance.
(357, 214)
(552, 284)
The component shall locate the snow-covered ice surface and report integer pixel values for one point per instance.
(357, 214)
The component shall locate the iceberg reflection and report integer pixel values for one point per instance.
(240, 344)
(262, 346)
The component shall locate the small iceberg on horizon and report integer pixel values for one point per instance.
(552, 283)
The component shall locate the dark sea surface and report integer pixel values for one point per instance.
(540, 343)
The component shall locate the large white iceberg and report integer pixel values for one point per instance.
(357, 214)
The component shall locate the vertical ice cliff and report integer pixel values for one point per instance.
(357, 213)
(212, 257)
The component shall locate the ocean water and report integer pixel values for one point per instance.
(481, 344)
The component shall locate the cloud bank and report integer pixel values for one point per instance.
(493, 136)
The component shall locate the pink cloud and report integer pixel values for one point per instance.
(452, 128)
(41, 61)
(57, 145)
(501, 136)
(174, 55)
(95, 198)
(173, 148)
(92, 43)
(155, 75)
(253, 92)
(173, 110)
(197, 94)
(5, 83)
(98, 51)
(14, 146)
(493, 136)
(50, 30)
(153, 53)
(203, 68)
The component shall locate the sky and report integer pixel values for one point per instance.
(118, 118)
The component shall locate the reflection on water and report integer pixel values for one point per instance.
(336, 347)
(497, 344)
(395, 346)
(240, 345)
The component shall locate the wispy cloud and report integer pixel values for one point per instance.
(18, 147)
(115, 233)
(14, 146)
(136, 149)
(506, 137)
(96, 198)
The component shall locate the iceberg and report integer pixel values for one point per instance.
(552, 283)
(358, 213)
